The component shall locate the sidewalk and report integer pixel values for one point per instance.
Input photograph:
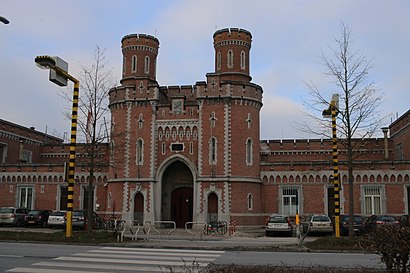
(245, 240)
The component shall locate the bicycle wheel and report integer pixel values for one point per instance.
(120, 225)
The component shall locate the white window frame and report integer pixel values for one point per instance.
(134, 63)
(140, 152)
(229, 57)
(292, 194)
(243, 60)
(146, 64)
(27, 200)
(373, 199)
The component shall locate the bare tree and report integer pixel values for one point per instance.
(95, 82)
(358, 117)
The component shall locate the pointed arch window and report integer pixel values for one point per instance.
(218, 60)
(140, 152)
(146, 65)
(243, 60)
(134, 64)
(230, 59)
(249, 152)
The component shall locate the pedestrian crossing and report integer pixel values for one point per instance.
(121, 259)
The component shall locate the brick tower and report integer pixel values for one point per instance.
(186, 153)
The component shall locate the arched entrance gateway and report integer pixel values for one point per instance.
(177, 194)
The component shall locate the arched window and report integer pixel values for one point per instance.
(218, 60)
(134, 64)
(243, 60)
(146, 65)
(250, 201)
(212, 151)
(249, 150)
(230, 59)
(140, 152)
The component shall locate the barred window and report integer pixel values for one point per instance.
(290, 200)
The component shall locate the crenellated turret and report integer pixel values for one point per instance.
(139, 58)
(232, 47)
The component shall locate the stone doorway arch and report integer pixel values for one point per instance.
(177, 192)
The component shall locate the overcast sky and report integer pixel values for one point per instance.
(288, 38)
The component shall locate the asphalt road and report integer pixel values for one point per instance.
(45, 258)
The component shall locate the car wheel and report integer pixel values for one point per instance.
(267, 234)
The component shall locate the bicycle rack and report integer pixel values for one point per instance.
(196, 229)
(174, 226)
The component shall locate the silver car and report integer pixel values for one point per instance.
(318, 223)
(277, 223)
(56, 219)
(13, 216)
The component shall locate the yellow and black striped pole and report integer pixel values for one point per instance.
(71, 163)
(332, 112)
(336, 184)
(47, 62)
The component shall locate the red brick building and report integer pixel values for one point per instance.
(193, 153)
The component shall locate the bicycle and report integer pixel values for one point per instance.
(114, 225)
(219, 227)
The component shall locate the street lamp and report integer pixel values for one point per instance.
(4, 20)
(332, 112)
(59, 75)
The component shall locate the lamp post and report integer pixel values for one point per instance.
(4, 20)
(59, 75)
(332, 112)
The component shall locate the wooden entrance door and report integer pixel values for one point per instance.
(139, 208)
(182, 206)
(212, 208)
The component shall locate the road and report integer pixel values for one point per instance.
(45, 258)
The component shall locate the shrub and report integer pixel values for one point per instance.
(392, 243)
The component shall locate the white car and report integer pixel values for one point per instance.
(277, 223)
(56, 219)
(318, 223)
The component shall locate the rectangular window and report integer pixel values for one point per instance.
(26, 197)
(372, 200)
(3, 153)
(26, 156)
(399, 151)
(290, 200)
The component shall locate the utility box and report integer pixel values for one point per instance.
(56, 78)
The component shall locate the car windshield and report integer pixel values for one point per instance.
(57, 213)
(6, 210)
(320, 219)
(357, 219)
(387, 218)
(34, 212)
(277, 219)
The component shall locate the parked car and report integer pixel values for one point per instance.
(405, 220)
(278, 224)
(376, 221)
(56, 219)
(13, 216)
(318, 223)
(37, 218)
(79, 219)
(358, 224)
